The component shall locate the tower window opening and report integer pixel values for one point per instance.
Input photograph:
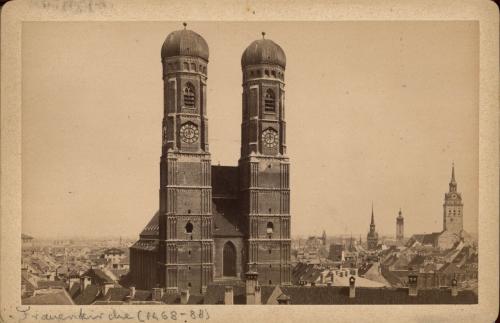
(193, 66)
(266, 72)
(189, 284)
(270, 227)
(270, 251)
(259, 73)
(189, 227)
(270, 282)
(186, 66)
(189, 96)
(273, 73)
(269, 101)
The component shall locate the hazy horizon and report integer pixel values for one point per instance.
(375, 111)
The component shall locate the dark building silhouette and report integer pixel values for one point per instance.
(217, 222)
(400, 222)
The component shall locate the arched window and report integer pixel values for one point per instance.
(270, 227)
(269, 101)
(189, 227)
(193, 66)
(189, 96)
(266, 72)
(186, 66)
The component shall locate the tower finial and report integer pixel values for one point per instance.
(263, 34)
(453, 171)
(184, 24)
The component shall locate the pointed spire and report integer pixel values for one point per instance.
(373, 219)
(453, 172)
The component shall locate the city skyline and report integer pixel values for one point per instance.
(117, 184)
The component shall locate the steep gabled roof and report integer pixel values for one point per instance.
(57, 298)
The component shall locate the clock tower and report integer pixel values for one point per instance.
(185, 217)
(264, 166)
(453, 207)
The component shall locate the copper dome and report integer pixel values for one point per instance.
(184, 43)
(263, 51)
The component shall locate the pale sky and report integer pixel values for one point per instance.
(375, 111)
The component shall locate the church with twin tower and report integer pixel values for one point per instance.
(218, 223)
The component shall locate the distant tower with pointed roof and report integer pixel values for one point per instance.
(372, 237)
(323, 238)
(400, 222)
(453, 207)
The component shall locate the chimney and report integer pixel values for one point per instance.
(228, 295)
(250, 284)
(84, 283)
(412, 284)
(107, 286)
(352, 287)
(132, 292)
(454, 287)
(184, 296)
(257, 295)
(157, 294)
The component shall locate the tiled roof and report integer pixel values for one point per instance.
(215, 293)
(149, 245)
(150, 231)
(176, 299)
(116, 294)
(418, 260)
(340, 295)
(98, 276)
(58, 298)
(225, 181)
(450, 268)
(113, 251)
(88, 296)
(75, 289)
(43, 284)
(227, 222)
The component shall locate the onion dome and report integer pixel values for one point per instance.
(263, 51)
(184, 43)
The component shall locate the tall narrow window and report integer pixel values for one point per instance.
(270, 227)
(189, 227)
(269, 101)
(189, 96)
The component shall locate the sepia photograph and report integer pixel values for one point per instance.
(235, 162)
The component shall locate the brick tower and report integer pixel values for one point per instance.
(264, 165)
(453, 207)
(185, 216)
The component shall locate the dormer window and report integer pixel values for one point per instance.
(269, 101)
(189, 97)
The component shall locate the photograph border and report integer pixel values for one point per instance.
(485, 12)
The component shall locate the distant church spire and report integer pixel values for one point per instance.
(453, 172)
(453, 183)
(373, 219)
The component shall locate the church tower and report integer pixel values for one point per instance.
(264, 165)
(185, 218)
(372, 236)
(400, 222)
(453, 207)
